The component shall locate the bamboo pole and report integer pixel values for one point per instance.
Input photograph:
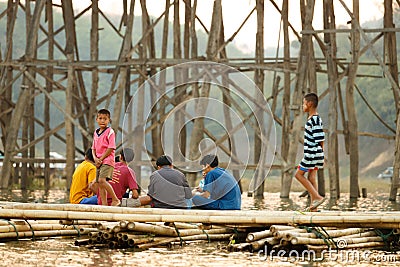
(169, 231)
(328, 233)
(372, 220)
(25, 222)
(314, 241)
(108, 226)
(47, 233)
(275, 228)
(154, 229)
(86, 229)
(78, 222)
(127, 236)
(375, 245)
(123, 224)
(93, 234)
(185, 238)
(35, 227)
(107, 235)
(258, 235)
(280, 234)
(98, 239)
(148, 211)
(364, 234)
(259, 244)
(183, 225)
(82, 242)
(189, 232)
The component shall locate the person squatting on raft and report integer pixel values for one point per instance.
(168, 187)
(84, 187)
(221, 191)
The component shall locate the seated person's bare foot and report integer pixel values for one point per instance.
(116, 203)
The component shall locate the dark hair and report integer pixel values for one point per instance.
(311, 97)
(210, 159)
(164, 160)
(89, 154)
(104, 111)
(127, 154)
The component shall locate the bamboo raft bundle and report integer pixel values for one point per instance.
(17, 229)
(142, 228)
(146, 235)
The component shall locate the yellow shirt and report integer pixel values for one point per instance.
(83, 175)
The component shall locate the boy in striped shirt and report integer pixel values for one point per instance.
(313, 158)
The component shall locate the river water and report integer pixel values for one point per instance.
(63, 252)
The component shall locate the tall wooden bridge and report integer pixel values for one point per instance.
(53, 75)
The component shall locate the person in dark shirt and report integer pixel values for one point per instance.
(168, 187)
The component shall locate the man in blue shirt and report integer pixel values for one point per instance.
(221, 190)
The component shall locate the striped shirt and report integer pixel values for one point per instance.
(313, 136)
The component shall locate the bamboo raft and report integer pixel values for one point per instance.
(143, 228)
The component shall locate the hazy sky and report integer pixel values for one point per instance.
(235, 11)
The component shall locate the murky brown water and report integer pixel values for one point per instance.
(63, 252)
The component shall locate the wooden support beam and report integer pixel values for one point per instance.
(297, 97)
(12, 129)
(331, 53)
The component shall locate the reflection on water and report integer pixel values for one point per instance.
(63, 252)
(35, 196)
(272, 201)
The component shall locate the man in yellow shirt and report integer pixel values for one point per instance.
(84, 187)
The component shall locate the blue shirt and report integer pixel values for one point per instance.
(223, 188)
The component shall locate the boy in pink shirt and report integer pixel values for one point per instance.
(103, 148)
